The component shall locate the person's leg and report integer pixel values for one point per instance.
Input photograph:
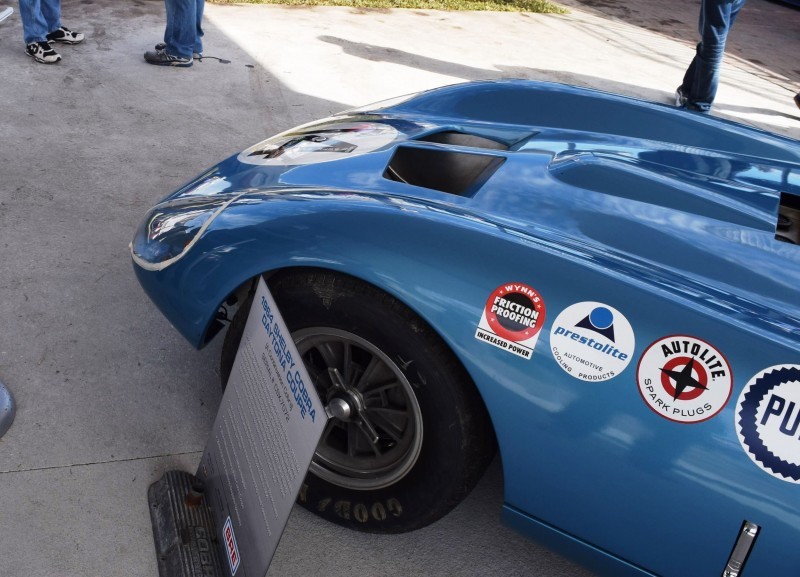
(51, 12)
(702, 77)
(169, 31)
(181, 27)
(34, 32)
(688, 81)
(34, 26)
(179, 36)
(198, 35)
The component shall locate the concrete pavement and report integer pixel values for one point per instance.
(108, 395)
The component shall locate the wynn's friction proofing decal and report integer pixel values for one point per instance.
(592, 341)
(768, 421)
(512, 319)
(319, 143)
(684, 379)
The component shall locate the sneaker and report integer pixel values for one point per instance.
(797, 99)
(65, 36)
(42, 52)
(680, 97)
(162, 58)
(5, 13)
(682, 101)
(163, 46)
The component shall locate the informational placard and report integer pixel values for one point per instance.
(265, 434)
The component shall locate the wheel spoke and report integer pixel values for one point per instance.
(358, 441)
(337, 380)
(394, 418)
(347, 362)
(386, 411)
(320, 382)
(329, 426)
(387, 426)
(379, 389)
(371, 441)
(329, 356)
(364, 379)
(369, 429)
(353, 434)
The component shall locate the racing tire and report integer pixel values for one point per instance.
(418, 438)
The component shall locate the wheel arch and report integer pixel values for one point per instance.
(248, 287)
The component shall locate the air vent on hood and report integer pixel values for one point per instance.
(460, 173)
(454, 138)
(787, 229)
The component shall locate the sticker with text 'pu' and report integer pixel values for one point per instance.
(512, 319)
(768, 421)
(684, 379)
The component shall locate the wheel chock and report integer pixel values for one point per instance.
(183, 527)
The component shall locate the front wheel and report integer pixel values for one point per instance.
(410, 436)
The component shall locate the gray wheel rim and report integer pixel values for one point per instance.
(380, 441)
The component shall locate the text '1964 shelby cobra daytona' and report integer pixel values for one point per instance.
(605, 290)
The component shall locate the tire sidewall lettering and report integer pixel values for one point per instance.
(361, 513)
(377, 511)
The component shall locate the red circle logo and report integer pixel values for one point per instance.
(515, 312)
(698, 373)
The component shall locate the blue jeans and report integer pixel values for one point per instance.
(184, 33)
(39, 18)
(702, 77)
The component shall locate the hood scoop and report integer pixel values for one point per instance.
(446, 170)
(787, 227)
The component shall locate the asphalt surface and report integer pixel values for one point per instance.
(109, 396)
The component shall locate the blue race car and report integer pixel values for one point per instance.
(605, 290)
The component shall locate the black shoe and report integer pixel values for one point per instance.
(162, 58)
(682, 101)
(65, 36)
(680, 97)
(797, 99)
(163, 46)
(42, 52)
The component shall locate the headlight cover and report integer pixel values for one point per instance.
(173, 227)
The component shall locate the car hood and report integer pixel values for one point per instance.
(491, 146)
(677, 198)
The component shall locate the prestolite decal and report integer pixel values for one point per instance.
(768, 421)
(684, 379)
(592, 341)
(512, 319)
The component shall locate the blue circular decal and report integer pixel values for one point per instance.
(768, 421)
(601, 318)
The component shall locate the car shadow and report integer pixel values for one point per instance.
(764, 35)
(466, 72)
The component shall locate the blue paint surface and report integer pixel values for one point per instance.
(665, 215)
